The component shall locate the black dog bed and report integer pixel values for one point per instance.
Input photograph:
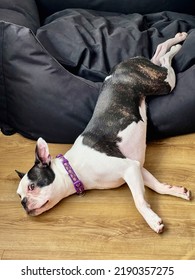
(55, 55)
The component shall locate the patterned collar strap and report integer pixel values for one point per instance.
(78, 185)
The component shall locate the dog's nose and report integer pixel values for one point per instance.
(24, 202)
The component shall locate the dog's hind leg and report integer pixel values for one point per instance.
(133, 177)
(162, 49)
(162, 188)
(166, 60)
(163, 56)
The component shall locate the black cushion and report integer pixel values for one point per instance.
(90, 43)
(48, 7)
(50, 79)
(41, 97)
(174, 114)
(21, 12)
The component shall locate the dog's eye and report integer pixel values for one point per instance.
(31, 187)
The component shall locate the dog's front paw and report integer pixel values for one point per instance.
(178, 191)
(186, 193)
(158, 225)
(155, 222)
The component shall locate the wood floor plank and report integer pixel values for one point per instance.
(1, 254)
(104, 224)
(72, 255)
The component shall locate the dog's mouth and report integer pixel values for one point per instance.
(36, 211)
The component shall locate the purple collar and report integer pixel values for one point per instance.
(78, 185)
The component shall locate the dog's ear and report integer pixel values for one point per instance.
(42, 155)
(20, 174)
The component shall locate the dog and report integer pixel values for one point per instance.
(111, 150)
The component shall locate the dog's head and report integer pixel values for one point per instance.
(37, 188)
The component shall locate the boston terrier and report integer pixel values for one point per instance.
(111, 150)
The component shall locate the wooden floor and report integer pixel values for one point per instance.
(102, 224)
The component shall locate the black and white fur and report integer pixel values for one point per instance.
(111, 150)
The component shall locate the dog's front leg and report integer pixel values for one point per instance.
(163, 188)
(133, 177)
